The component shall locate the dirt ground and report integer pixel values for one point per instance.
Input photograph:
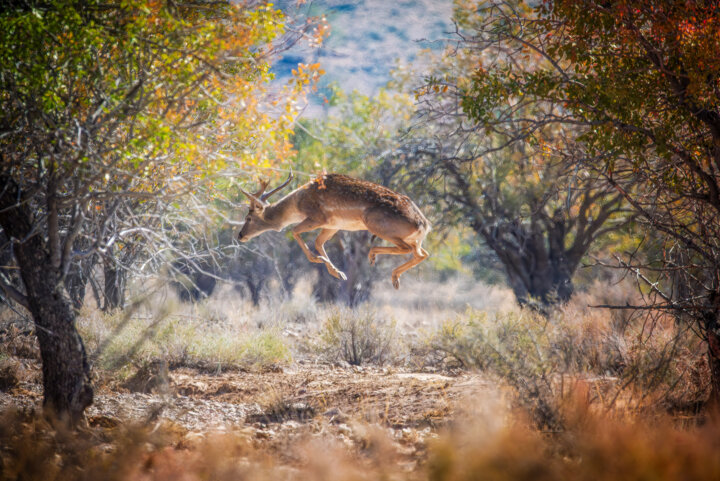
(276, 408)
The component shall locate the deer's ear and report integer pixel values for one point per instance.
(259, 210)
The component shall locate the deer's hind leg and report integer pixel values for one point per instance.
(419, 255)
(401, 247)
(390, 230)
(396, 250)
(405, 234)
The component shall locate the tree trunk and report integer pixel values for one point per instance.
(539, 275)
(8, 268)
(255, 288)
(115, 280)
(545, 289)
(78, 276)
(75, 282)
(712, 333)
(66, 373)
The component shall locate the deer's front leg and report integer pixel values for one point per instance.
(325, 235)
(306, 226)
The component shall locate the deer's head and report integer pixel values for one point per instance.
(255, 223)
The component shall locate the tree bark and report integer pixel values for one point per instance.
(255, 288)
(548, 287)
(78, 275)
(66, 372)
(115, 280)
(714, 361)
(539, 272)
(76, 281)
(194, 283)
(711, 323)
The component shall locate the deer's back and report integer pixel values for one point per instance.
(340, 193)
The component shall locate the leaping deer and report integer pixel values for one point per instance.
(334, 202)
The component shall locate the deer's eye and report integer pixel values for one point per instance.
(248, 219)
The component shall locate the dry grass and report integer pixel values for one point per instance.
(421, 306)
(17, 338)
(228, 331)
(358, 336)
(443, 324)
(19, 355)
(212, 335)
(632, 360)
(594, 447)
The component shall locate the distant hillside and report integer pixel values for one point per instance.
(367, 38)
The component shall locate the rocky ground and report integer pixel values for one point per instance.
(275, 408)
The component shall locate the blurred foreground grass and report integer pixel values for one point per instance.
(593, 446)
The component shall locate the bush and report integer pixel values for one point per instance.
(594, 447)
(357, 337)
(149, 377)
(544, 358)
(18, 339)
(9, 375)
(515, 347)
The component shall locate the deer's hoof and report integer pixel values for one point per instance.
(371, 258)
(396, 282)
(338, 274)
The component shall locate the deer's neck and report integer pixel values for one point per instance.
(282, 213)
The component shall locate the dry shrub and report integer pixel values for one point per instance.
(217, 457)
(517, 347)
(658, 358)
(276, 408)
(14, 370)
(357, 337)
(594, 447)
(32, 449)
(633, 359)
(9, 374)
(18, 340)
(642, 448)
(150, 376)
(515, 454)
